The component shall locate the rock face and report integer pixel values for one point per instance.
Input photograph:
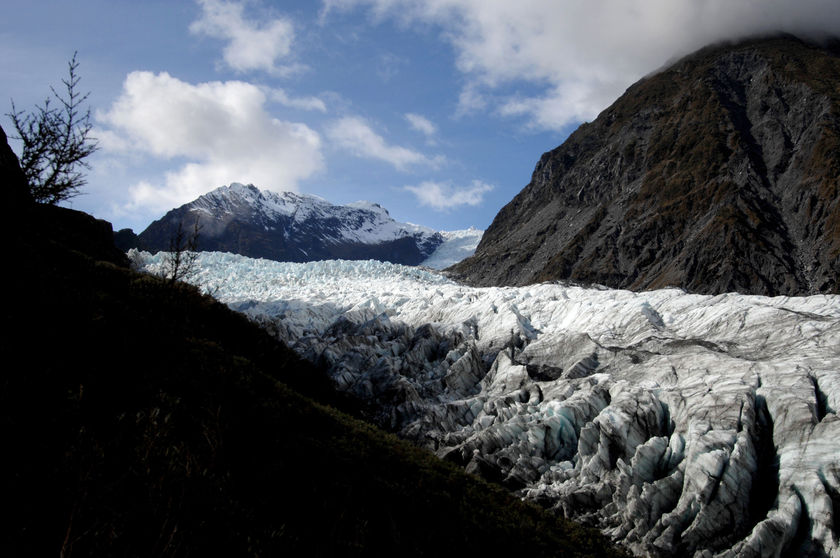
(720, 173)
(679, 424)
(292, 227)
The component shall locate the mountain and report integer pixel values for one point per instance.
(678, 424)
(719, 173)
(292, 227)
(142, 418)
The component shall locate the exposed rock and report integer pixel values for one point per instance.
(292, 227)
(719, 173)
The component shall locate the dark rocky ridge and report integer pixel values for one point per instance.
(289, 227)
(719, 173)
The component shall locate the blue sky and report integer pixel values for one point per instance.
(436, 109)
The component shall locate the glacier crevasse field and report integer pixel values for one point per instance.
(676, 423)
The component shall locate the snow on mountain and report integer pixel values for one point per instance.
(231, 199)
(286, 226)
(457, 246)
(678, 424)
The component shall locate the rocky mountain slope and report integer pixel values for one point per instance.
(720, 173)
(292, 227)
(679, 424)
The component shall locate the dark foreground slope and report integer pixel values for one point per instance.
(719, 173)
(144, 419)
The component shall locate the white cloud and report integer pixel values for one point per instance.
(355, 135)
(303, 103)
(444, 197)
(251, 45)
(421, 124)
(580, 56)
(570, 102)
(221, 129)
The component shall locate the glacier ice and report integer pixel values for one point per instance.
(456, 246)
(678, 424)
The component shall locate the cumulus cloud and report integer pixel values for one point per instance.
(219, 132)
(355, 135)
(443, 196)
(251, 45)
(577, 57)
(421, 124)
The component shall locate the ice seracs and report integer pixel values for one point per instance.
(678, 424)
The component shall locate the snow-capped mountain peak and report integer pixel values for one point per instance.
(369, 206)
(288, 226)
(268, 202)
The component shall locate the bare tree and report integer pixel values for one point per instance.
(179, 264)
(56, 141)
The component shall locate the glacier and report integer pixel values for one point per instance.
(678, 424)
(456, 246)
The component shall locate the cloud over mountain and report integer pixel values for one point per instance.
(221, 131)
(442, 196)
(580, 56)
